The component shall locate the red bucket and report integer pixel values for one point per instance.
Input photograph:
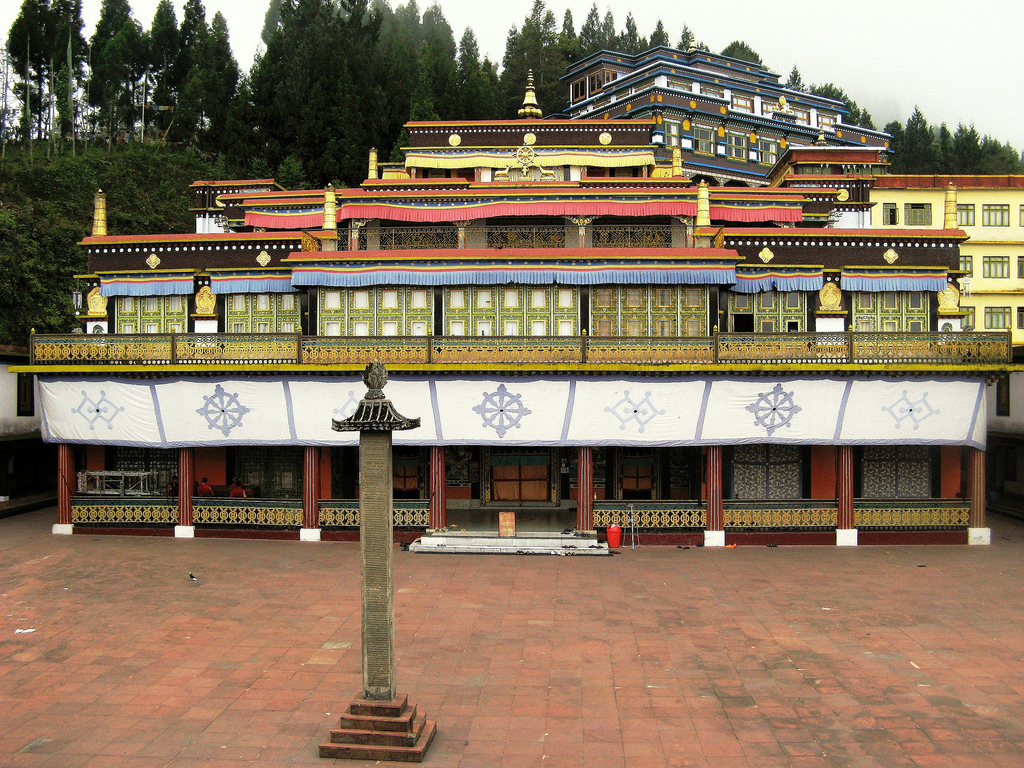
(614, 536)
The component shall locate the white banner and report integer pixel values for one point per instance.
(519, 411)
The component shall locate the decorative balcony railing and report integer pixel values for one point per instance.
(407, 238)
(344, 513)
(650, 514)
(894, 514)
(542, 236)
(824, 349)
(525, 237)
(99, 510)
(609, 236)
(798, 513)
(278, 513)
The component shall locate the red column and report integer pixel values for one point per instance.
(66, 483)
(438, 488)
(311, 487)
(585, 490)
(844, 487)
(714, 488)
(186, 483)
(976, 486)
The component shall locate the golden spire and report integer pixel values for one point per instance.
(330, 208)
(530, 107)
(99, 214)
(372, 173)
(677, 160)
(703, 206)
(949, 217)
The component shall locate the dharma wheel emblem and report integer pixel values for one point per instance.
(501, 410)
(222, 410)
(775, 409)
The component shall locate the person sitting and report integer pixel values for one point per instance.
(204, 489)
(172, 487)
(237, 490)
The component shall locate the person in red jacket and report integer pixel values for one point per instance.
(237, 490)
(204, 489)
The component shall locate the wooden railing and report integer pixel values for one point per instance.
(823, 349)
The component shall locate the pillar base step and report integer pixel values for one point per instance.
(484, 543)
(380, 730)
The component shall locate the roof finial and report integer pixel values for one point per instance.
(99, 214)
(530, 107)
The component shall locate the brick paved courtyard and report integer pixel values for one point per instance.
(757, 656)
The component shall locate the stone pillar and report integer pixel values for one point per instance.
(438, 488)
(714, 534)
(846, 533)
(310, 495)
(585, 490)
(377, 543)
(185, 529)
(66, 483)
(977, 533)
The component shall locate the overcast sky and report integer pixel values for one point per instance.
(959, 64)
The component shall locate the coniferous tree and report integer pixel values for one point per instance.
(659, 37)
(738, 49)
(856, 116)
(966, 154)
(591, 39)
(118, 60)
(795, 81)
(438, 66)
(568, 41)
(163, 51)
(609, 39)
(943, 149)
(30, 47)
(477, 86)
(202, 113)
(630, 40)
(534, 48)
(271, 21)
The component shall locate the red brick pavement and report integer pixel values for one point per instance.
(787, 656)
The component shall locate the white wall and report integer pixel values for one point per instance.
(10, 423)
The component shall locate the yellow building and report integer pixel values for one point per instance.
(990, 209)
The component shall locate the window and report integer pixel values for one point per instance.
(826, 121)
(1003, 402)
(483, 328)
(793, 300)
(458, 328)
(538, 328)
(127, 304)
(767, 326)
(483, 300)
(995, 266)
(704, 140)
(604, 327)
(333, 329)
(672, 133)
(707, 90)
(128, 328)
(565, 327)
(262, 302)
(578, 90)
(1020, 266)
(693, 327)
(175, 327)
(262, 327)
(152, 328)
(565, 298)
(418, 328)
(890, 214)
(968, 317)
(736, 146)
(693, 297)
(361, 299)
(511, 327)
(238, 302)
(767, 300)
(997, 317)
(26, 395)
(995, 215)
(918, 214)
(287, 327)
(152, 304)
(769, 151)
(634, 297)
(174, 304)
(967, 265)
(418, 299)
(511, 298)
(896, 471)
(389, 298)
(1020, 317)
(663, 297)
(889, 300)
(332, 300)
(803, 116)
(389, 328)
(457, 298)
(767, 472)
(915, 300)
(538, 298)
(604, 298)
(288, 301)
(634, 327)
(361, 328)
(238, 327)
(664, 327)
(965, 215)
(864, 300)
(743, 103)
(1022, 215)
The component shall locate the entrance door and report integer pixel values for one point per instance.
(520, 476)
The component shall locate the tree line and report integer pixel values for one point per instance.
(334, 78)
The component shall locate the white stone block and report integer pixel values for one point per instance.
(62, 529)
(184, 531)
(309, 534)
(846, 537)
(714, 538)
(979, 535)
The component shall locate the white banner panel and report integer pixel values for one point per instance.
(99, 411)
(519, 411)
(767, 410)
(635, 412)
(315, 403)
(501, 412)
(914, 411)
